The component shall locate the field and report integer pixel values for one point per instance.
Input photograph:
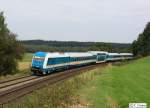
(26, 62)
(114, 86)
(27, 57)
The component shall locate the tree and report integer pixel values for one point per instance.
(10, 49)
(141, 46)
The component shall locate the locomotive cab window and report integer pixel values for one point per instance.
(38, 58)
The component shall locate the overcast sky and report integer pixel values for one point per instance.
(77, 20)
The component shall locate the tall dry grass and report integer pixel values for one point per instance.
(53, 96)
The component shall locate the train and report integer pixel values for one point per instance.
(44, 63)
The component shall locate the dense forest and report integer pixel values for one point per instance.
(62, 46)
(141, 46)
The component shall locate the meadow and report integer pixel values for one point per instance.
(117, 86)
(114, 86)
(25, 62)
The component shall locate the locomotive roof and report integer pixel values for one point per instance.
(40, 54)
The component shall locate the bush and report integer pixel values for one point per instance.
(10, 49)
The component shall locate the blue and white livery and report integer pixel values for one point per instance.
(100, 56)
(45, 62)
(118, 56)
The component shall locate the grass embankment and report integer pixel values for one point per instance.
(116, 86)
(110, 87)
(59, 95)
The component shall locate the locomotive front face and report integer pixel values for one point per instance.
(37, 62)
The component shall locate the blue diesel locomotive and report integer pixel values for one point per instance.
(44, 63)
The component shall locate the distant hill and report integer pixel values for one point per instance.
(41, 45)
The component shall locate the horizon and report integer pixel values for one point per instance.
(73, 41)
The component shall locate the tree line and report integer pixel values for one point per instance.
(63, 46)
(141, 46)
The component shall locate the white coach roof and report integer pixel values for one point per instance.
(69, 54)
(78, 54)
(56, 54)
(120, 54)
(98, 52)
(114, 54)
(126, 53)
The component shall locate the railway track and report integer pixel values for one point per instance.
(14, 88)
(7, 83)
(11, 79)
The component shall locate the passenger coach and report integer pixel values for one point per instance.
(101, 56)
(45, 63)
(118, 56)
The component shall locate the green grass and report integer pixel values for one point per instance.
(25, 63)
(117, 86)
(27, 57)
(109, 87)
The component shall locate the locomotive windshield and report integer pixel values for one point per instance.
(38, 58)
(37, 61)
